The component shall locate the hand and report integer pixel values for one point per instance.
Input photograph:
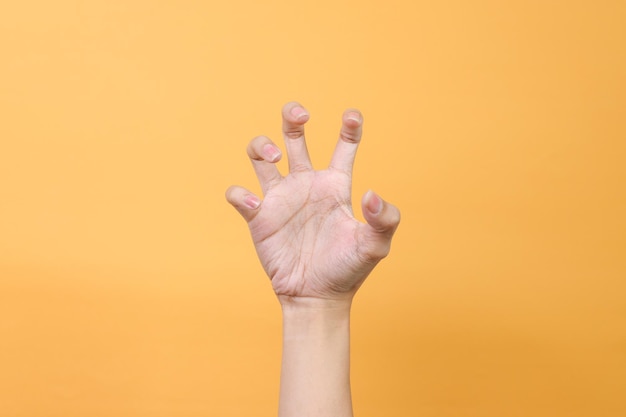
(305, 234)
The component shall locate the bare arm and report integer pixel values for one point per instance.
(317, 255)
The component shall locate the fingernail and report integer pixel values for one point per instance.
(374, 202)
(271, 152)
(354, 116)
(298, 112)
(252, 201)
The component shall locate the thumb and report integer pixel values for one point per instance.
(382, 221)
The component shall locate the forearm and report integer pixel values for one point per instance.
(314, 251)
(315, 375)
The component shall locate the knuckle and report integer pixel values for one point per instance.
(295, 132)
(374, 253)
(350, 135)
(298, 167)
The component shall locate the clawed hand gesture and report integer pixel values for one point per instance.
(304, 231)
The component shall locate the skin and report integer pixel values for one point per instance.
(317, 255)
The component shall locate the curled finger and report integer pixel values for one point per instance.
(264, 154)
(382, 221)
(294, 118)
(245, 201)
(348, 143)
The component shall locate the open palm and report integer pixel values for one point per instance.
(304, 232)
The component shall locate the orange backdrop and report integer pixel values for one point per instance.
(129, 287)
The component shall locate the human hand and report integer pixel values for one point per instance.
(304, 231)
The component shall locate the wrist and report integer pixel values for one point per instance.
(315, 305)
(309, 317)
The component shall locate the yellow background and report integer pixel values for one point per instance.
(129, 287)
